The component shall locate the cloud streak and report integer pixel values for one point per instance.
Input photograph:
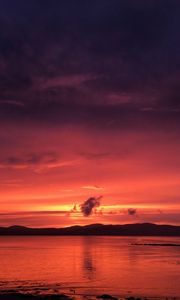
(35, 161)
(92, 187)
(64, 81)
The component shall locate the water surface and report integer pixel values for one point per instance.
(91, 265)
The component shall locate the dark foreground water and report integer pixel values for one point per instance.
(91, 265)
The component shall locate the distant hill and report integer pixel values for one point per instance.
(138, 229)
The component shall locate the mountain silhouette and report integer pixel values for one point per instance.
(137, 229)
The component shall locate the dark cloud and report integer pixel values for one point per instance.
(88, 206)
(132, 211)
(79, 62)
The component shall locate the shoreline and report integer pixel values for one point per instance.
(17, 295)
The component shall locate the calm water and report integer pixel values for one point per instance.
(91, 265)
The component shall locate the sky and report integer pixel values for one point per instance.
(89, 112)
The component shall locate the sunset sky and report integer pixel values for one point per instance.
(89, 107)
